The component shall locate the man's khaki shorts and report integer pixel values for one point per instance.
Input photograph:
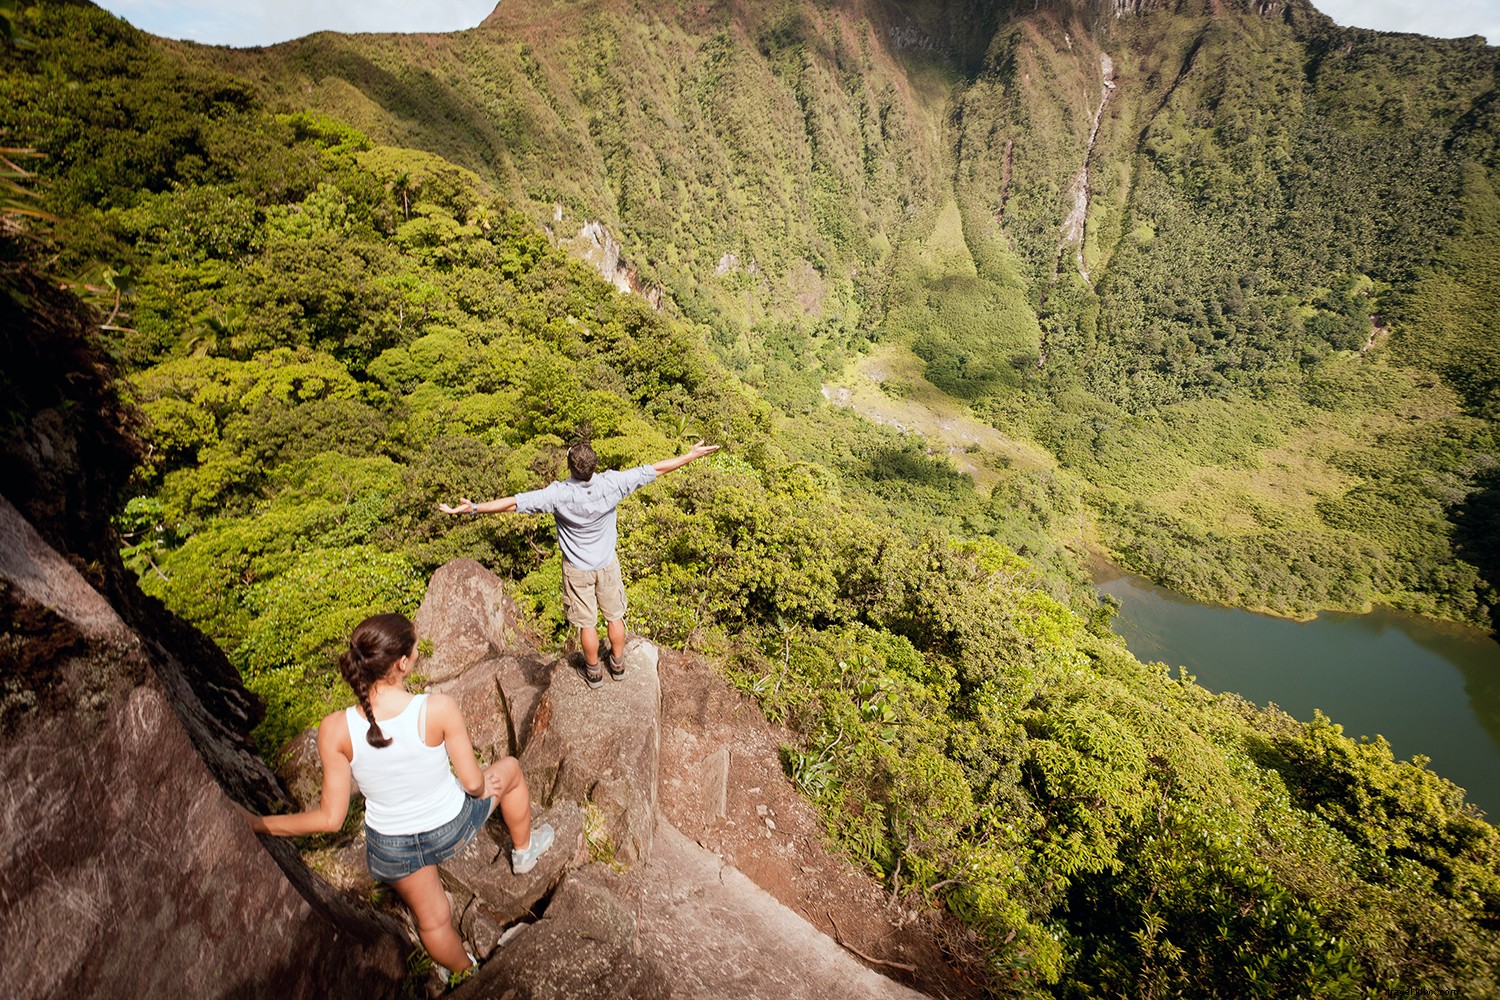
(586, 592)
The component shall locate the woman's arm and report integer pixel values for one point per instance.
(335, 751)
(445, 720)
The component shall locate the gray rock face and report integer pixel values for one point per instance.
(725, 937)
(124, 868)
(466, 617)
(602, 746)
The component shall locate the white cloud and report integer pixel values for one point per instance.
(1438, 18)
(265, 22)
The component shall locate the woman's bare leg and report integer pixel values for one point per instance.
(504, 781)
(423, 892)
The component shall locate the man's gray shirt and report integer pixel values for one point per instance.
(585, 512)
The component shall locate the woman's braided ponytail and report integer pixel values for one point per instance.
(374, 647)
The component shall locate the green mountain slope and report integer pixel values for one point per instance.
(1210, 255)
(782, 134)
(324, 333)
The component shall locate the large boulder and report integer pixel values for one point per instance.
(602, 746)
(498, 696)
(585, 946)
(466, 617)
(124, 868)
(488, 896)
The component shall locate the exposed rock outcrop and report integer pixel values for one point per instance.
(1073, 227)
(630, 904)
(685, 924)
(603, 747)
(127, 871)
(596, 245)
(664, 917)
(127, 868)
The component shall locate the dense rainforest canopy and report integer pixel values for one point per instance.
(1260, 364)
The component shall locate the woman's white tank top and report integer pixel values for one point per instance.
(408, 785)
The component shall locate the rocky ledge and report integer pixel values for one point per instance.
(626, 904)
(685, 864)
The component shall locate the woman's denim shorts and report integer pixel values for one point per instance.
(393, 857)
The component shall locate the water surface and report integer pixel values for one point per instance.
(1428, 688)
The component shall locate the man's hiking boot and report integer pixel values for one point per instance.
(592, 675)
(616, 665)
(522, 862)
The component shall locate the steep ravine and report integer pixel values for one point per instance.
(1074, 227)
(129, 868)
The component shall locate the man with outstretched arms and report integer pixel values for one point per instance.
(584, 509)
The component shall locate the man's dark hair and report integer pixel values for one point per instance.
(582, 461)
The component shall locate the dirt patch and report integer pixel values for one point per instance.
(722, 785)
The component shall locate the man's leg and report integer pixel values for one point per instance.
(580, 605)
(588, 641)
(611, 595)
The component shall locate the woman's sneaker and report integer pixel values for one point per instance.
(455, 978)
(522, 862)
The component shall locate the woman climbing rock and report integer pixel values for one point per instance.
(418, 811)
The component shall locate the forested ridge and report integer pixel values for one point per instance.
(1262, 356)
(323, 275)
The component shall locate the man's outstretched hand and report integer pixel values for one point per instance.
(694, 453)
(465, 506)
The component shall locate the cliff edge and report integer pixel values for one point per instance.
(686, 865)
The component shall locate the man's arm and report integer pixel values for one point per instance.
(467, 506)
(694, 453)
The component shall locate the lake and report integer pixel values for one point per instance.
(1427, 687)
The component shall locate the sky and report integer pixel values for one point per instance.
(264, 22)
